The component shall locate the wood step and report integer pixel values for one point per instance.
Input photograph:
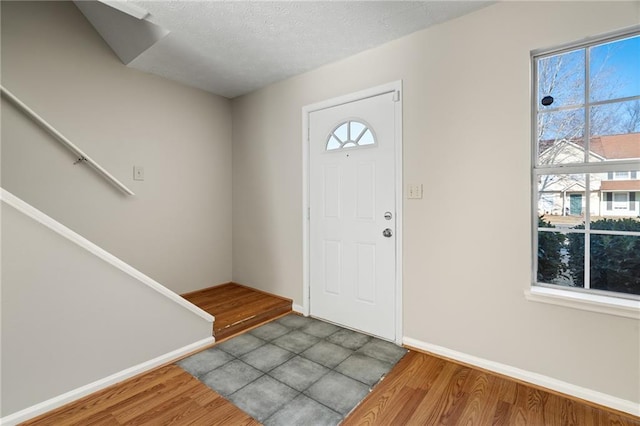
(238, 308)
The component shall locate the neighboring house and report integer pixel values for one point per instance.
(614, 194)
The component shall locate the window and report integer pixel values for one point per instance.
(620, 200)
(623, 175)
(350, 134)
(586, 144)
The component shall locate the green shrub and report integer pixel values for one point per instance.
(615, 259)
(549, 257)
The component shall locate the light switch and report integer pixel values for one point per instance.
(138, 173)
(414, 191)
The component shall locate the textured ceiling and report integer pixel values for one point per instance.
(234, 47)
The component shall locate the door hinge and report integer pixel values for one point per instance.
(396, 96)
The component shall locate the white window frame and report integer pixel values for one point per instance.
(626, 305)
(626, 175)
(620, 204)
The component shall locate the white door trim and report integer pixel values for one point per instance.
(395, 86)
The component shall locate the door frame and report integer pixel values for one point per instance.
(395, 86)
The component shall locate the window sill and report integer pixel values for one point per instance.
(587, 302)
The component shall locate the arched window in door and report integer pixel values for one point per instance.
(350, 134)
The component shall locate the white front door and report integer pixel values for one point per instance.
(352, 241)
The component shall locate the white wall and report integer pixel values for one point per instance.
(70, 319)
(466, 264)
(177, 229)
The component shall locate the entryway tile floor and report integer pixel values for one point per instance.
(295, 370)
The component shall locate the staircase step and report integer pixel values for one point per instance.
(238, 308)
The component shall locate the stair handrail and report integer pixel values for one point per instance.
(82, 156)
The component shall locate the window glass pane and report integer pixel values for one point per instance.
(356, 129)
(555, 265)
(620, 197)
(614, 195)
(617, 118)
(561, 200)
(561, 77)
(615, 263)
(551, 263)
(560, 137)
(332, 143)
(575, 259)
(367, 138)
(614, 69)
(341, 132)
(350, 134)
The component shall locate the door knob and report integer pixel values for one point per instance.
(387, 233)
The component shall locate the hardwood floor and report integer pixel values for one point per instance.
(427, 390)
(165, 396)
(237, 308)
(421, 390)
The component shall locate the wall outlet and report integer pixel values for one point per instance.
(138, 173)
(414, 191)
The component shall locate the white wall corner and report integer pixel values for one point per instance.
(123, 26)
(572, 390)
(75, 394)
(298, 309)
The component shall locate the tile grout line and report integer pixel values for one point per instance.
(295, 354)
(302, 392)
(298, 393)
(333, 369)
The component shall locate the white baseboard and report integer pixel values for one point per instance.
(529, 377)
(299, 309)
(65, 398)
